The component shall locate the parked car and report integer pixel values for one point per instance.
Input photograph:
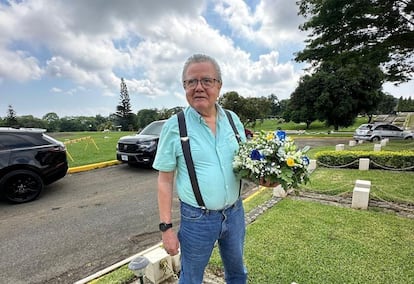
(378, 131)
(140, 149)
(29, 160)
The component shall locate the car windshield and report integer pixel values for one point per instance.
(153, 128)
(365, 127)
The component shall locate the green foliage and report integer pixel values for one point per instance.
(248, 109)
(387, 104)
(123, 275)
(336, 94)
(52, 122)
(146, 116)
(11, 119)
(303, 100)
(123, 110)
(377, 32)
(405, 104)
(385, 159)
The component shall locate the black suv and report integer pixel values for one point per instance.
(29, 159)
(140, 149)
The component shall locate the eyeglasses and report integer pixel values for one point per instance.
(207, 83)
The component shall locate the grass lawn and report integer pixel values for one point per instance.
(316, 126)
(81, 146)
(307, 242)
(385, 185)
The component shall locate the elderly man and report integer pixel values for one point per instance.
(212, 211)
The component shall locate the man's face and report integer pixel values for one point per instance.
(203, 96)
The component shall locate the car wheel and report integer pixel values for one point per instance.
(21, 186)
(409, 138)
(375, 139)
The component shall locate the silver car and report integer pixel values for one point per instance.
(379, 131)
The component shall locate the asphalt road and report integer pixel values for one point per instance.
(81, 224)
(85, 222)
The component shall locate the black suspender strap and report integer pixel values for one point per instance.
(185, 144)
(237, 137)
(233, 126)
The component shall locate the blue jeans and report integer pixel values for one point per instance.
(199, 231)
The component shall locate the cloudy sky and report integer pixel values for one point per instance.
(68, 57)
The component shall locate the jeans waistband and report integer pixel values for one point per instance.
(208, 211)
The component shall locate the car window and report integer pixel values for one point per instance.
(380, 127)
(393, 128)
(153, 128)
(21, 140)
(365, 127)
(51, 139)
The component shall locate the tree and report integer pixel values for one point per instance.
(275, 109)
(405, 104)
(146, 116)
(285, 109)
(303, 100)
(248, 109)
(103, 123)
(336, 94)
(167, 113)
(387, 104)
(69, 124)
(257, 109)
(378, 32)
(348, 91)
(53, 122)
(234, 102)
(29, 121)
(123, 110)
(11, 118)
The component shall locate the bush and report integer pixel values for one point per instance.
(401, 160)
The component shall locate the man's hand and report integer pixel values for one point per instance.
(170, 242)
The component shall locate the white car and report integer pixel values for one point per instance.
(378, 131)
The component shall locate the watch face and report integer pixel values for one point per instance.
(164, 227)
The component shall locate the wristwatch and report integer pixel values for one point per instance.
(164, 226)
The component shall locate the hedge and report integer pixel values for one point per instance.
(401, 160)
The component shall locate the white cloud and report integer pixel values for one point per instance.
(271, 24)
(56, 90)
(19, 66)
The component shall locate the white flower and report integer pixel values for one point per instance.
(272, 158)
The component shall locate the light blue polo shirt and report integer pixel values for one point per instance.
(212, 157)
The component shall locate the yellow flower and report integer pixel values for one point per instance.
(290, 162)
(270, 136)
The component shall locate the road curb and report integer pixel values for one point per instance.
(93, 166)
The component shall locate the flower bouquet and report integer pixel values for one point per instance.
(272, 158)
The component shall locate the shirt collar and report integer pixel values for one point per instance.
(199, 118)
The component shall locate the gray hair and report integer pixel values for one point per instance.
(197, 58)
